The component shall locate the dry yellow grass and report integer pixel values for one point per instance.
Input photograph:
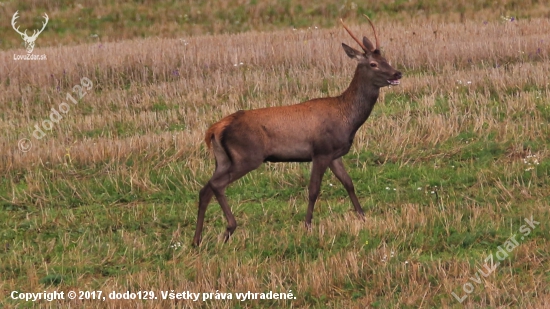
(199, 81)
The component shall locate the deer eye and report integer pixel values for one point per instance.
(373, 64)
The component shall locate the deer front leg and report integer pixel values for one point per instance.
(337, 167)
(319, 166)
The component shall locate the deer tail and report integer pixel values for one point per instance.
(216, 130)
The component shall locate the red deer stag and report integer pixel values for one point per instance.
(318, 130)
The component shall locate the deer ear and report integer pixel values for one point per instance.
(352, 53)
(368, 43)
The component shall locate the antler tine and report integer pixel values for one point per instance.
(13, 21)
(374, 30)
(44, 23)
(353, 36)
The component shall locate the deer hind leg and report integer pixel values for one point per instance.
(337, 167)
(319, 166)
(227, 171)
(223, 165)
(205, 195)
(218, 185)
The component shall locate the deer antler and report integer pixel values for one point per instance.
(43, 25)
(374, 30)
(13, 24)
(353, 36)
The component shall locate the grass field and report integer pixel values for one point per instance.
(447, 168)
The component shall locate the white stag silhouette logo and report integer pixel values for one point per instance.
(29, 40)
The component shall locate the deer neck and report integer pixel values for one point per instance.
(359, 99)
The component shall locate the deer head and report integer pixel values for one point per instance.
(29, 40)
(377, 68)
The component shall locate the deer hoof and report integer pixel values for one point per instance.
(196, 242)
(226, 236)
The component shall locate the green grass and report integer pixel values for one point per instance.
(88, 21)
(119, 230)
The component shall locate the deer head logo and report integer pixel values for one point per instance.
(29, 40)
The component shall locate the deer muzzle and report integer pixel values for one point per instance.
(394, 81)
